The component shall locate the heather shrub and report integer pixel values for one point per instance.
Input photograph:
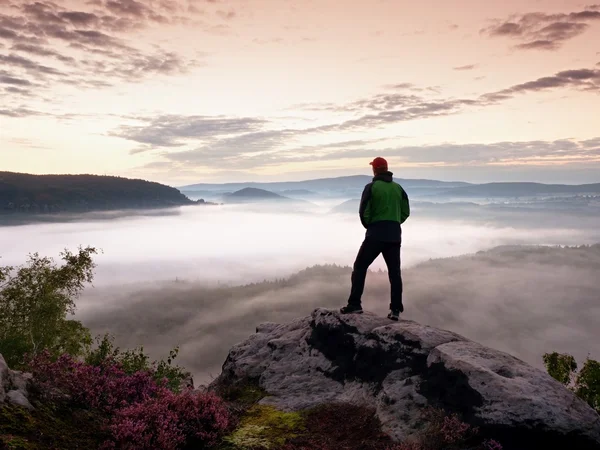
(491, 444)
(339, 426)
(170, 421)
(138, 412)
(105, 387)
(445, 431)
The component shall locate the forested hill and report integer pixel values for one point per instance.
(38, 194)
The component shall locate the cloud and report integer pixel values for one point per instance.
(41, 51)
(541, 31)
(247, 143)
(400, 86)
(79, 18)
(173, 131)
(468, 67)
(505, 153)
(227, 15)
(7, 79)
(245, 150)
(562, 151)
(582, 79)
(27, 64)
(8, 34)
(264, 149)
(392, 108)
(18, 112)
(88, 47)
(268, 41)
(16, 90)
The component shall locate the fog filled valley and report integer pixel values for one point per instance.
(519, 275)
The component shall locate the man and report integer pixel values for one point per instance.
(384, 206)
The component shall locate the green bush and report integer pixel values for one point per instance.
(35, 301)
(132, 361)
(585, 383)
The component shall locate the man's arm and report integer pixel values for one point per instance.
(364, 210)
(404, 206)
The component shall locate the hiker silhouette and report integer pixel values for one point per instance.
(384, 207)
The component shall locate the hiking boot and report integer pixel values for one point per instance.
(394, 315)
(351, 309)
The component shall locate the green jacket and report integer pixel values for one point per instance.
(384, 206)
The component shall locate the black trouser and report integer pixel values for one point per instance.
(369, 251)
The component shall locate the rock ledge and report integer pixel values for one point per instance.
(401, 367)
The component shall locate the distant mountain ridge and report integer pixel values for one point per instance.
(522, 189)
(351, 185)
(346, 182)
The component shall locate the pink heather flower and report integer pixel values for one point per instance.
(491, 445)
(141, 414)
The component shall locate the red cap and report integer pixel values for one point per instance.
(379, 163)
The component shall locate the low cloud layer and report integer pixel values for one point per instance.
(522, 301)
(169, 278)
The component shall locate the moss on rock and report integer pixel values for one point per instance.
(265, 427)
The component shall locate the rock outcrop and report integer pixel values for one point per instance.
(399, 368)
(14, 386)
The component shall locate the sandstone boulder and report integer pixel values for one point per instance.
(399, 368)
(14, 386)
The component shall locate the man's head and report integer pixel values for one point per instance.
(380, 165)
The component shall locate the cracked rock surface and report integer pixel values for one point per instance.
(399, 368)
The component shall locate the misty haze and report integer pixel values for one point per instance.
(202, 278)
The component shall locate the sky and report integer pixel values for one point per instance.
(187, 91)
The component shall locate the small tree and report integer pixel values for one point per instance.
(585, 383)
(560, 366)
(35, 300)
(588, 383)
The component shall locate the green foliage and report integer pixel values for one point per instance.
(560, 366)
(137, 360)
(35, 300)
(585, 383)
